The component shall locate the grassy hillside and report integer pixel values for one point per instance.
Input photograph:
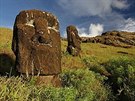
(96, 52)
(5, 39)
(99, 52)
(84, 78)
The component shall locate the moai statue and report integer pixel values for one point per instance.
(74, 41)
(36, 43)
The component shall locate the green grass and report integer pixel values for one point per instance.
(84, 77)
(104, 52)
(16, 89)
(101, 53)
(5, 39)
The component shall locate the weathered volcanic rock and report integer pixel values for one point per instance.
(74, 41)
(114, 38)
(36, 43)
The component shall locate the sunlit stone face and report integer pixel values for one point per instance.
(74, 41)
(36, 43)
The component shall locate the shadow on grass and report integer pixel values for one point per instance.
(7, 65)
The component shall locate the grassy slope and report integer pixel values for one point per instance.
(16, 89)
(99, 52)
(5, 38)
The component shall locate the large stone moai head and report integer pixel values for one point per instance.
(36, 43)
(74, 41)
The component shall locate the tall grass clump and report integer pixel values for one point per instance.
(13, 89)
(122, 78)
(87, 86)
(17, 89)
(78, 85)
(93, 64)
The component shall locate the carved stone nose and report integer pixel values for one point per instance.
(42, 35)
(41, 25)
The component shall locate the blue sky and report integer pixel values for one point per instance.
(92, 17)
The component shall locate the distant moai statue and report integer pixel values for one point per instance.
(74, 41)
(36, 43)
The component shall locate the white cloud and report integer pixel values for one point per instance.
(94, 30)
(104, 12)
(64, 35)
(128, 25)
(120, 4)
(91, 7)
(98, 29)
(82, 32)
